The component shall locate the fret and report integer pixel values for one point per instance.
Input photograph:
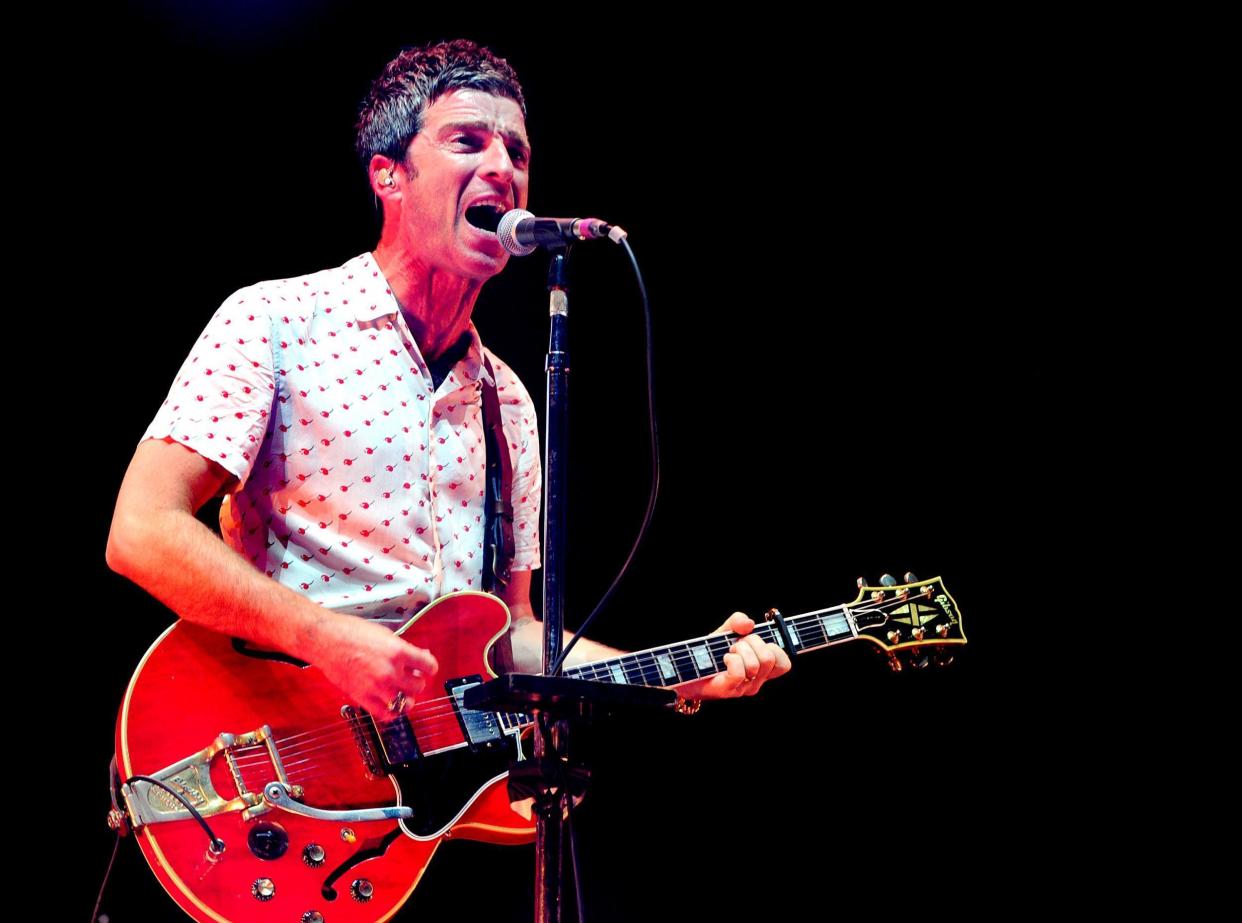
(699, 661)
(770, 633)
(836, 624)
(683, 662)
(811, 631)
(793, 634)
(649, 669)
(629, 670)
(818, 629)
(513, 720)
(633, 668)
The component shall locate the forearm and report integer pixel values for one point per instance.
(184, 565)
(527, 637)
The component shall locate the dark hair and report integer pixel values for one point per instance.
(392, 113)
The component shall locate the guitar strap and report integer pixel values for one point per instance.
(498, 557)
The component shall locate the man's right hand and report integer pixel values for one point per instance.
(370, 664)
(157, 543)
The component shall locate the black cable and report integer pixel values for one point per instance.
(217, 844)
(655, 470)
(573, 856)
(116, 848)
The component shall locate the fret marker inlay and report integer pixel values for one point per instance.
(703, 658)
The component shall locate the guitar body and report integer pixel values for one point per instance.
(194, 685)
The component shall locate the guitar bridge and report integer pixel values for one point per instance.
(191, 778)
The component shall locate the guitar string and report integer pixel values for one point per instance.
(424, 714)
(447, 734)
(446, 716)
(426, 717)
(436, 719)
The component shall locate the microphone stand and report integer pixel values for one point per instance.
(555, 701)
(551, 737)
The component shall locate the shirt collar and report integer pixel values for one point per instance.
(383, 303)
(377, 300)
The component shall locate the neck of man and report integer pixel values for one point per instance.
(437, 304)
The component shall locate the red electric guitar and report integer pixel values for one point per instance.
(321, 811)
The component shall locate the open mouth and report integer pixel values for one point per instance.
(484, 217)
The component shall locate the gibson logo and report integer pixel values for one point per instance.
(187, 787)
(943, 601)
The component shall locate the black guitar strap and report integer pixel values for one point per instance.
(498, 557)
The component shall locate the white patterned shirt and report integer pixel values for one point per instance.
(360, 485)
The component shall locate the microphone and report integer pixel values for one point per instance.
(520, 232)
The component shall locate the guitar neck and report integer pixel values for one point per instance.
(917, 624)
(684, 661)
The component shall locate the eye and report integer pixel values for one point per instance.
(519, 155)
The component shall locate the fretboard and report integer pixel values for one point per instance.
(685, 661)
(699, 657)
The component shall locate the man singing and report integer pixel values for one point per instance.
(341, 416)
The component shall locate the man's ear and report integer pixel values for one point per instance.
(383, 176)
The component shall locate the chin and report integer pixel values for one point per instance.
(484, 269)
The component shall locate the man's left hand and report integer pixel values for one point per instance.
(750, 663)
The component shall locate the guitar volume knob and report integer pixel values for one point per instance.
(312, 916)
(313, 855)
(362, 890)
(263, 889)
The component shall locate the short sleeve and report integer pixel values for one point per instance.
(220, 403)
(522, 433)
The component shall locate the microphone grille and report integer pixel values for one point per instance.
(506, 231)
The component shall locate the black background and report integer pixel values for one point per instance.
(851, 350)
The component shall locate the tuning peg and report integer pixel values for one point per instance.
(917, 633)
(927, 591)
(861, 581)
(910, 578)
(943, 629)
(888, 580)
(920, 661)
(894, 663)
(894, 636)
(944, 657)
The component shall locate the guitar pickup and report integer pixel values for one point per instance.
(480, 728)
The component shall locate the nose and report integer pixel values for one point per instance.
(497, 162)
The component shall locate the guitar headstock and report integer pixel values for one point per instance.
(916, 623)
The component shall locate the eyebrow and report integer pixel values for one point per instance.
(485, 127)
